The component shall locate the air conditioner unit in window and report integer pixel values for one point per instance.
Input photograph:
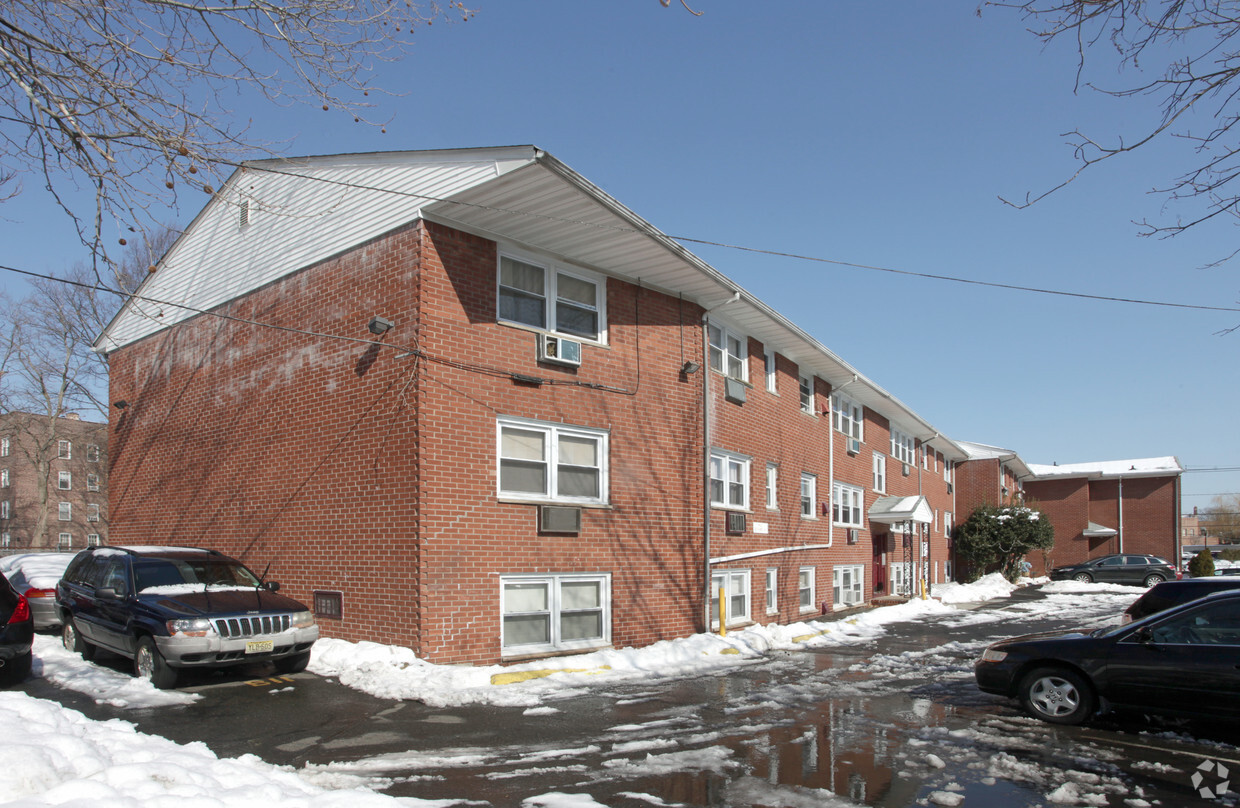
(905, 470)
(854, 446)
(559, 519)
(851, 598)
(852, 535)
(735, 523)
(561, 351)
(949, 488)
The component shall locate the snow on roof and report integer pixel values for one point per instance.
(982, 451)
(1141, 467)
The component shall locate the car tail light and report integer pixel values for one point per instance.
(21, 612)
(40, 593)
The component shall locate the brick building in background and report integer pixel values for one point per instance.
(1117, 506)
(53, 483)
(466, 402)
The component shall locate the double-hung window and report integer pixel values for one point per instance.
(92, 453)
(4, 478)
(92, 482)
(64, 450)
(554, 612)
(735, 586)
(847, 503)
(772, 486)
(64, 480)
(92, 512)
(847, 416)
(846, 585)
(64, 542)
(728, 353)
(902, 446)
(805, 588)
(880, 472)
(807, 394)
(809, 495)
(729, 480)
(770, 370)
(551, 299)
(538, 460)
(64, 512)
(772, 590)
(4, 446)
(4, 509)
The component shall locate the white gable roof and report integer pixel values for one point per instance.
(302, 211)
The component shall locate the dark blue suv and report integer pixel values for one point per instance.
(169, 608)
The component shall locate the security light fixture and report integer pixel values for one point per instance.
(120, 405)
(379, 325)
(690, 368)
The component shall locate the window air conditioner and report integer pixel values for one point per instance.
(852, 535)
(561, 351)
(559, 519)
(854, 446)
(735, 523)
(905, 470)
(949, 488)
(851, 598)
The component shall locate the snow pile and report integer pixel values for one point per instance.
(987, 587)
(69, 671)
(55, 756)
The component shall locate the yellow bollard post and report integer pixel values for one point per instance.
(723, 614)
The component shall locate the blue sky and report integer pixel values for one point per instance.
(877, 134)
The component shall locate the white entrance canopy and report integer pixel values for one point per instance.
(894, 510)
(1096, 529)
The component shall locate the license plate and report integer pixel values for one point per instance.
(259, 646)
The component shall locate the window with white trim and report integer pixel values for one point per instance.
(846, 585)
(4, 509)
(4, 478)
(847, 416)
(729, 352)
(772, 486)
(6, 539)
(92, 540)
(729, 480)
(64, 480)
(92, 453)
(947, 525)
(880, 472)
(772, 591)
(64, 542)
(948, 470)
(807, 393)
(64, 450)
(4, 446)
(550, 298)
(805, 589)
(64, 512)
(92, 512)
(847, 503)
(554, 612)
(735, 586)
(770, 370)
(92, 482)
(538, 460)
(809, 495)
(902, 446)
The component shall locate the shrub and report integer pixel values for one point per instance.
(1000, 536)
(1202, 565)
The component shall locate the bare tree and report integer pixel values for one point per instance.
(1195, 46)
(116, 107)
(1222, 517)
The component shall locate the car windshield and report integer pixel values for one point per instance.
(209, 570)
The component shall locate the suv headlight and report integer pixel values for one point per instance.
(197, 627)
(302, 620)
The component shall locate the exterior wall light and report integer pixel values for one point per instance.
(379, 325)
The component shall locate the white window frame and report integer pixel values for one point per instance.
(64, 450)
(551, 434)
(555, 611)
(722, 465)
(772, 590)
(4, 446)
(855, 584)
(772, 486)
(805, 389)
(64, 512)
(92, 512)
(6, 539)
(878, 467)
(847, 505)
(92, 453)
(902, 446)
(92, 540)
(948, 468)
(64, 541)
(947, 524)
(64, 481)
(847, 416)
(551, 300)
(92, 481)
(809, 495)
(729, 352)
(5, 509)
(4, 478)
(807, 589)
(736, 589)
(771, 374)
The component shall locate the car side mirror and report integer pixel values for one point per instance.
(1144, 635)
(272, 586)
(106, 593)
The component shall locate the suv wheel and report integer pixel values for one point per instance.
(73, 642)
(1153, 579)
(148, 663)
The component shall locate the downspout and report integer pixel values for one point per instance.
(1121, 514)
(706, 444)
(1179, 527)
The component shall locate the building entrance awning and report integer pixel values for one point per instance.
(894, 510)
(1094, 530)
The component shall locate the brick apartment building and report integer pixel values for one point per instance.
(1107, 507)
(466, 402)
(53, 483)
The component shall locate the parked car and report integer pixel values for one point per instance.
(35, 575)
(1119, 568)
(1172, 593)
(1181, 662)
(16, 634)
(170, 608)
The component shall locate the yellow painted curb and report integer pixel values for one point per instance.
(729, 651)
(525, 676)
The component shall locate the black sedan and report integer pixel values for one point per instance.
(1184, 661)
(16, 634)
(1119, 568)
